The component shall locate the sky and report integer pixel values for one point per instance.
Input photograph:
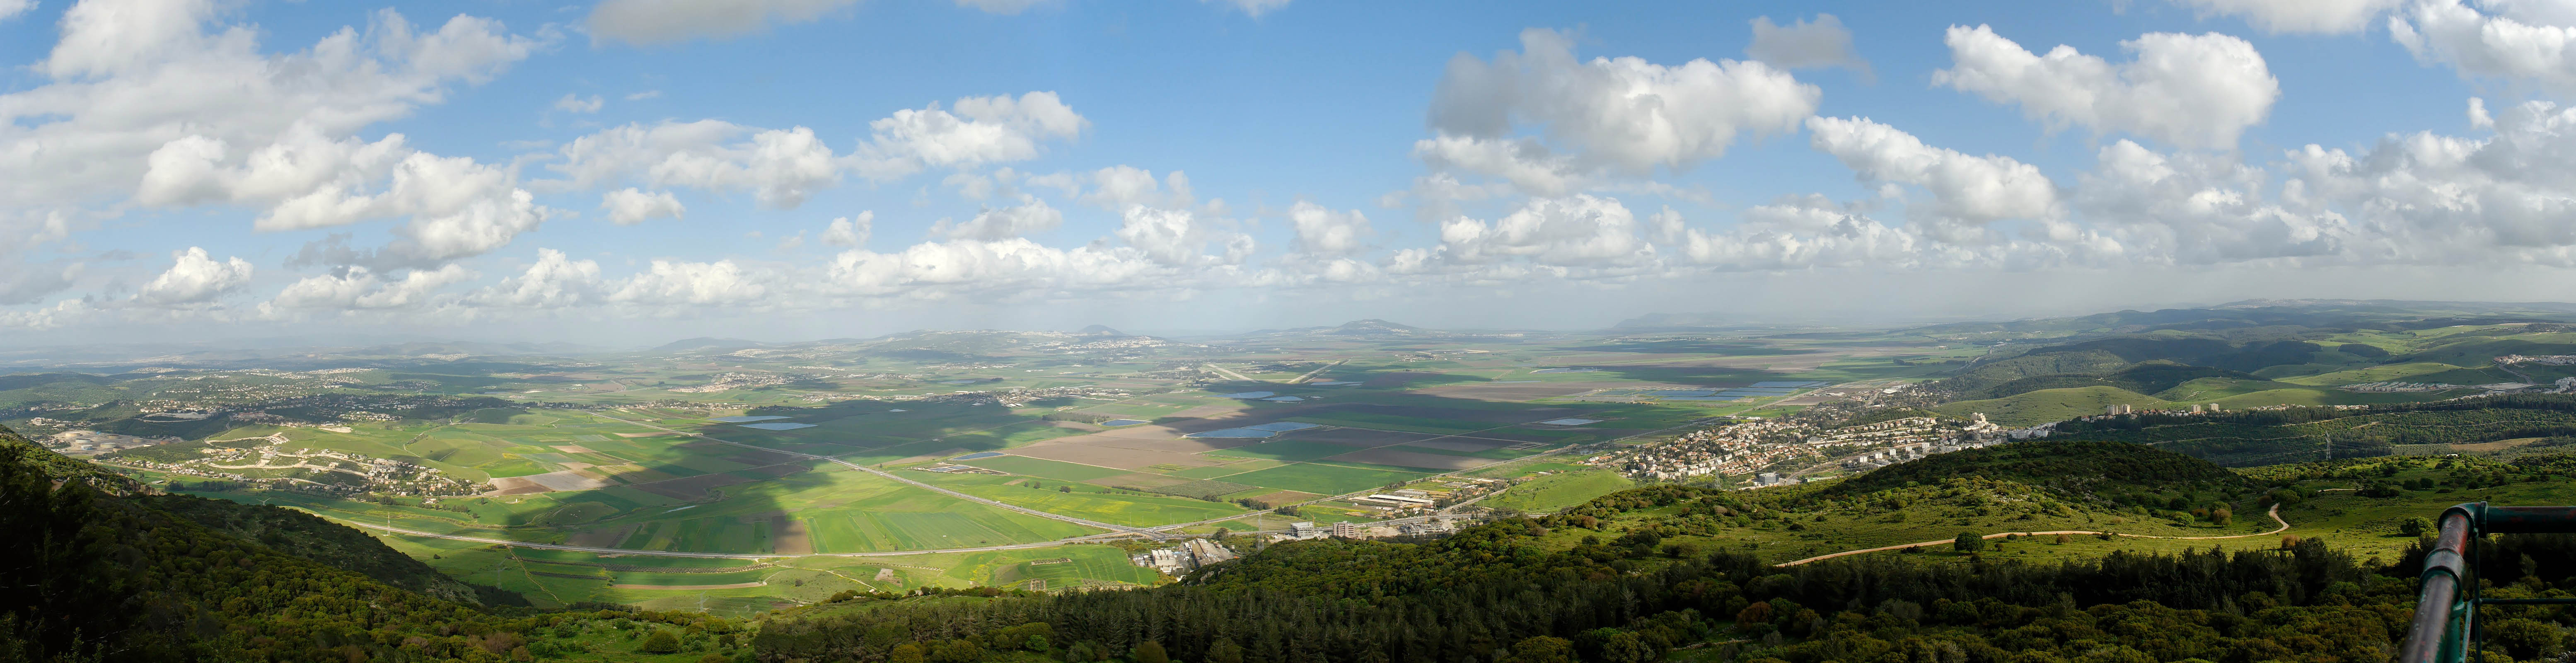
(634, 171)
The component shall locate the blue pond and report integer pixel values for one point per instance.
(1282, 426)
(778, 425)
(1232, 432)
(1249, 394)
(1787, 385)
(1123, 422)
(744, 420)
(979, 454)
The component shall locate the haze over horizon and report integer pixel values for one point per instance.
(630, 172)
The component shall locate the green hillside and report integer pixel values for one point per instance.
(2039, 407)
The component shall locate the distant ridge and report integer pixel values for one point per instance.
(1099, 330)
(1374, 327)
(707, 343)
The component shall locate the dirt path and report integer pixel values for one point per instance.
(2275, 513)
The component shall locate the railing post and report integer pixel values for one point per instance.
(2439, 632)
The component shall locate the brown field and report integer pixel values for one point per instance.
(1284, 497)
(1412, 459)
(787, 536)
(516, 486)
(1205, 411)
(2498, 445)
(1139, 479)
(632, 473)
(689, 488)
(1456, 444)
(575, 449)
(1355, 437)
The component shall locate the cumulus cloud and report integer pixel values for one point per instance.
(1324, 232)
(2198, 209)
(783, 167)
(780, 167)
(2186, 90)
(2522, 42)
(555, 280)
(1967, 190)
(2436, 199)
(574, 104)
(194, 277)
(1625, 116)
(1822, 42)
(1576, 231)
(156, 85)
(644, 22)
(360, 288)
(1032, 215)
(2296, 16)
(671, 282)
(1179, 237)
(975, 131)
(850, 231)
(1005, 270)
(630, 206)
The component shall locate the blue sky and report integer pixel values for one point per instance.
(634, 170)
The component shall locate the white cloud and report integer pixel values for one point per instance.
(670, 282)
(2527, 42)
(133, 78)
(1624, 115)
(1822, 42)
(1325, 233)
(360, 288)
(194, 277)
(2186, 90)
(980, 130)
(647, 94)
(630, 206)
(1179, 237)
(555, 280)
(1117, 188)
(991, 224)
(2296, 16)
(850, 231)
(2434, 199)
(12, 8)
(664, 21)
(1970, 189)
(2198, 209)
(781, 167)
(1006, 270)
(1252, 8)
(574, 104)
(1578, 231)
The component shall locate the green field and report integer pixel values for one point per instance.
(1040, 467)
(1556, 491)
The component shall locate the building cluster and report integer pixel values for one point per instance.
(1748, 447)
(2544, 360)
(269, 464)
(1184, 558)
(732, 381)
(91, 443)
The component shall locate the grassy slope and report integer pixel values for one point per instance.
(2046, 405)
(1557, 491)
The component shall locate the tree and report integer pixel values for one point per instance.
(1221, 532)
(1151, 652)
(1064, 489)
(1542, 649)
(1968, 542)
(905, 653)
(660, 642)
(2416, 526)
(1224, 651)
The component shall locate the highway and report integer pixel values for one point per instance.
(1158, 536)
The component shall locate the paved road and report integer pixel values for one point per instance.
(1158, 536)
(1220, 370)
(1319, 369)
(2275, 513)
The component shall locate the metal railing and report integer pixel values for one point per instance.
(2445, 628)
